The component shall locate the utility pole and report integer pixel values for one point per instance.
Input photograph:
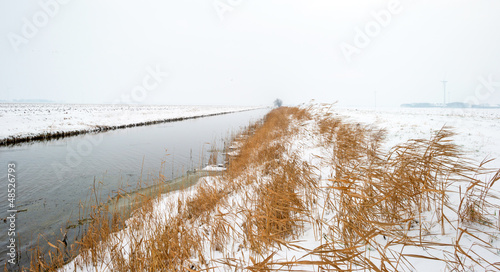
(444, 92)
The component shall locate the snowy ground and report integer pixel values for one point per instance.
(478, 133)
(23, 120)
(478, 130)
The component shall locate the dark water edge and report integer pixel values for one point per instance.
(55, 135)
(125, 204)
(120, 158)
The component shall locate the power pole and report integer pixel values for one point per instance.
(444, 92)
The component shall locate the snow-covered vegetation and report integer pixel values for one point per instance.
(316, 189)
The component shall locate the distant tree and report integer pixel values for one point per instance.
(278, 103)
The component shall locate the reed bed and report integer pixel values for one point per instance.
(308, 191)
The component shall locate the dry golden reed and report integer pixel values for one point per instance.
(372, 194)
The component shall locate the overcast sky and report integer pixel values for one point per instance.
(249, 52)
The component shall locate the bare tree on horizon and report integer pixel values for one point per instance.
(278, 102)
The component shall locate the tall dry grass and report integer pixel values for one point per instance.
(374, 204)
(377, 194)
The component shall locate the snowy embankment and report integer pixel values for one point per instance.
(324, 189)
(22, 122)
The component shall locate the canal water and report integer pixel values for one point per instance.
(54, 177)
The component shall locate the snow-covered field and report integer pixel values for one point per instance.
(479, 136)
(478, 130)
(28, 120)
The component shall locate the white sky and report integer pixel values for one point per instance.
(98, 51)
